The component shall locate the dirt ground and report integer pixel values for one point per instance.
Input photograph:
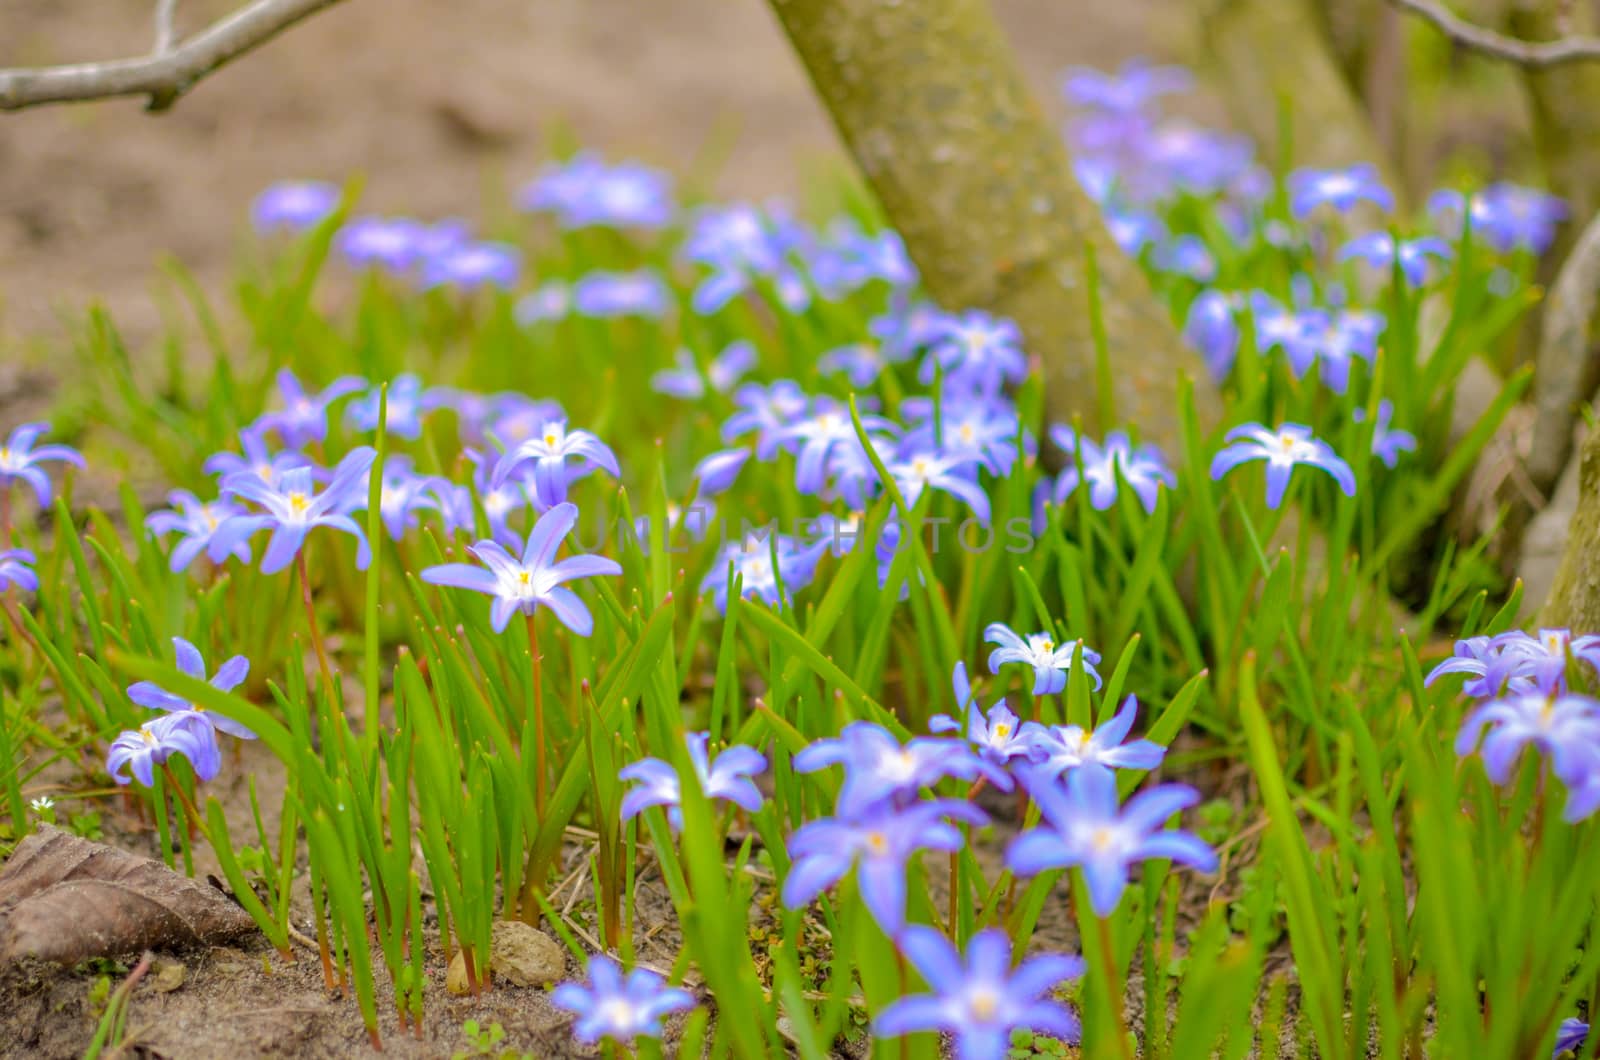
(443, 107)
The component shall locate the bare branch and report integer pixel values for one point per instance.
(161, 76)
(1533, 54)
(165, 10)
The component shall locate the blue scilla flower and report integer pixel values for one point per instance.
(917, 471)
(393, 244)
(1506, 216)
(1283, 449)
(586, 192)
(977, 350)
(406, 404)
(1334, 340)
(1050, 661)
(641, 293)
(878, 844)
(851, 474)
(500, 503)
(906, 328)
(402, 496)
(1134, 230)
(861, 363)
(1131, 90)
(996, 737)
(549, 453)
(293, 509)
(1570, 1037)
(303, 419)
(1543, 658)
(1381, 251)
(294, 205)
(197, 522)
(969, 424)
(979, 998)
(617, 1008)
(766, 410)
(751, 562)
(1339, 188)
(473, 265)
(1489, 668)
(818, 434)
(16, 568)
(726, 778)
(535, 580)
(879, 769)
(257, 459)
(1085, 828)
(1562, 726)
(551, 300)
(1141, 467)
(20, 459)
(517, 418)
(140, 750)
(716, 473)
(1058, 749)
(686, 380)
(228, 677)
(1186, 255)
(1388, 442)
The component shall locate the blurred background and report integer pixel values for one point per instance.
(444, 106)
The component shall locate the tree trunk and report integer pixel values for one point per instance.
(1575, 597)
(1281, 78)
(929, 99)
(1565, 105)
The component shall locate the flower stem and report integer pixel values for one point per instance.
(311, 621)
(1113, 987)
(538, 717)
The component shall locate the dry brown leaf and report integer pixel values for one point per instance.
(66, 899)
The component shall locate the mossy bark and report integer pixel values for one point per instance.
(1281, 77)
(1574, 600)
(929, 99)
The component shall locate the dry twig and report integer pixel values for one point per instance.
(170, 70)
(1533, 54)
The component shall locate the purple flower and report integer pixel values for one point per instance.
(1333, 339)
(686, 381)
(1187, 255)
(401, 496)
(1060, 749)
(405, 405)
(226, 679)
(860, 362)
(474, 265)
(534, 581)
(198, 522)
(304, 416)
(956, 475)
(183, 732)
(617, 1008)
(715, 473)
(619, 294)
(548, 452)
(818, 435)
(586, 192)
(1543, 659)
(878, 769)
(548, 301)
(1141, 467)
(1132, 230)
(1129, 92)
(1489, 667)
(1570, 1036)
(294, 509)
(257, 461)
(1381, 251)
(997, 737)
(977, 350)
(16, 568)
(1509, 216)
(499, 502)
(728, 778)
(1566, 728)
(294, 205)
(1050, 661)
(980, 999)
(20, 459)
(1282, 449)
(767, 410)
(1339, 188)
(907, 327)
(877, 843)
(751, 562)
(1086, 829)
(1387, 443)
(971, 425)
(516, 419)
(392, 243)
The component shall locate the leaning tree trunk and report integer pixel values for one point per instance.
(929, 99)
